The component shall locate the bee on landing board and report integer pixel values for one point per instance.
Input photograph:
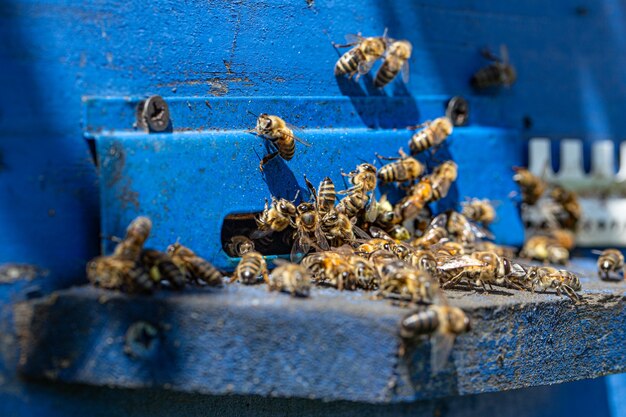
(500, 73)
(251, 266)
(396, 61)
(403, 169)
(361, 57)
(280, 134)
(195, 268)
(610, 264)
(291, 278)
(432, 134)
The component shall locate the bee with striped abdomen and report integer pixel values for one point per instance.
(546, 249)
(308, 230)
(403, 169)
(546, 277)
(610, 261)
(251, 266)
(276, 218)
(354, 202)
(499, 73)
(161, 268)
(396, 60)
(408, 283)
(434, 233)
(326, 196)
(433, 134)
(416, 199)
(137, 233)
(359, 59)
(280, 134)
(115, 273)
(442, 323)
(193, 266)
(291, 278)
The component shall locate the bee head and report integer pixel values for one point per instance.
(366, 167)
(286, 208)
(263, 122)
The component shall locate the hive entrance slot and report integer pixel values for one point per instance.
(244, 224)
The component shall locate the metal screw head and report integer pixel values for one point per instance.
(153, 114)
(457, 111)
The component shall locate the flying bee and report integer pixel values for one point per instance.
(363, 178)
(480, 269)
(403, 169)
(570, 211)
(238, 245)
(408, 283)
(362, 56)
(251, 266)
(546, 277)
(480, 211)
(280, 134)
(434, 233)
(610, 261)
(193, 266)
(416, 199)
(499, 73)
(291, 278)
(443, 323)
(308, 227)
(432, 135)
(396, 60)
(546, 249)
(276, 218)
(531, 186)
(115, 273)
(161, 267)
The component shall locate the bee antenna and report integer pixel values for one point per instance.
(255, 115)
(112, 238)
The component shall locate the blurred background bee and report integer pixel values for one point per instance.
(480, 211)
(432, 135)
(238, 245)
(359, 59)
(546, 249)
(610, 263)
(531, 186)
(195, 268)
(403, 169)
(280, 134)
(161, 268)
(500, 73)
(396, 60)
(116, 273)
(291, 278)
(251, 266)
(442, 323)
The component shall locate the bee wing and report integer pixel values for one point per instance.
(280, 261)
(365, 67)
(440, 347)
(371, 212)
(353, 38)
(479, 232)
(379, 233)
(517, 270)
(405, 72)
(259, 234)
(439, 221)
(321, 239)
(597, 252)
(359, 232)
(301, 246)
(305, 143)
(456, 262)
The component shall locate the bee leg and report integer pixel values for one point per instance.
(266, 159)
(232, 279)
(266, 276)
(487, 54)
(386, 158)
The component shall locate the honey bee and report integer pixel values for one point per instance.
(251, 266)
(396, 60)
(443, 323)
(291, 278)
(339, 229)
(363, 178)
(326, 196)
(308, 226)
(499, 73)
(280, 134)
(480, 211)
(447, 171)
(401, 250)
(405, 168)
(354, 202)
(116, 273)
(238, 245)
(398, 232)
(432, 135)
(161, 267)
(464, 230)
(570, 210)
(531, 186)
(364, 272)
(546, 249)
(137, 233)
(423, 260)
(546, 277)
(480, 269)
(276, 218)
(447, 249)
(382, 213)
(408, 283)
(564, 237)
(362, 56)
(373, 245)
(434, 233)
(610, 261)
(416, 199)
(331, 268)
(194, 267)
(486, 246)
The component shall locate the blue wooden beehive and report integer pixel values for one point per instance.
(71, 72)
